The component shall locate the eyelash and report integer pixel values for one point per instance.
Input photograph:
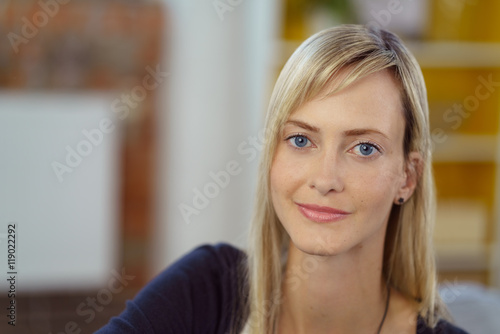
(287, 139)
(360, 142)
(376, 146)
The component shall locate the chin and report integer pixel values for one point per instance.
(323, 244)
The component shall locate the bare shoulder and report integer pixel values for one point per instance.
(401, 316)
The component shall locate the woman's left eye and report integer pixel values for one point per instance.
(299, 141)
(365, 149)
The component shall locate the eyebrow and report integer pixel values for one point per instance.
(347, 133)
(302, 125)
(358, 132)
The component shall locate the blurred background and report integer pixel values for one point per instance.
(130, 134)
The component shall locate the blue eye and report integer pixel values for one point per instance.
(365, 149)
(299, 141)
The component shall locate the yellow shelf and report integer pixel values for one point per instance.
(466, 148)
(462, 256)
(456, 54)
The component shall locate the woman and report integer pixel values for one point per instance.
(341, 239)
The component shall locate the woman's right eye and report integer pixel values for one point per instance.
(299, 141)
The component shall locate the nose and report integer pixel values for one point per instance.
(327, 173)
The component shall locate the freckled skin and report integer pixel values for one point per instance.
(331, 171)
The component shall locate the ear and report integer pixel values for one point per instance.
(412, 172)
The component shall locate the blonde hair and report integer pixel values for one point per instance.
(408, 255)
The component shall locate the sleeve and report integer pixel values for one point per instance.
(442, 327)
(196, 294)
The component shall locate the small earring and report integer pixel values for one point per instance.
(401, 200)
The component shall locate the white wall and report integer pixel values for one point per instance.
(495, 247)
(221, 71)
(67, 233)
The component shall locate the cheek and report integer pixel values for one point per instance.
(375, 186)
(275, 179)
(285, 176)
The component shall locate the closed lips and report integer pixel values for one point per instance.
(320, 208)
(321, 214)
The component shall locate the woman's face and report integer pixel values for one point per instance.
(339, 167)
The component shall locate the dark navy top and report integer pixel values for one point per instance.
(201, 293)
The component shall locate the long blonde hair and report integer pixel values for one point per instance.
(409, 264)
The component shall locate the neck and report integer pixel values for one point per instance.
(333, 294)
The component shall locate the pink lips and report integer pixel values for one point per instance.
(321, 214)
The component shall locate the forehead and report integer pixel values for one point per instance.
(372, 101)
